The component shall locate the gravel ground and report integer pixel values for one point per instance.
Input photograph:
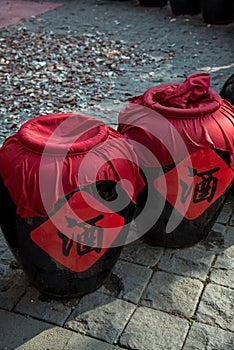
(88, 54)
(44, 73)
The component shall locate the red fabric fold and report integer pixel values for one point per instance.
(190, 109)
(51, 156)
(184, 95)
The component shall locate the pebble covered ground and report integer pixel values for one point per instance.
(43, 73)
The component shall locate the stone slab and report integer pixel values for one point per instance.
(49, 310)
(101, 316)
(173, 294)
(141, 253)
(25, 333)
(6, 255)
(127, 281)
(232, 220)
(192, 262)
(3, 243)
(82, 342)
(216, 241)
(230, 237)
(20, 332)
(220, 238)
(204, 337)
(216, 307)
(13, 283)
(225, 213)
(151, 329)
(223, 270)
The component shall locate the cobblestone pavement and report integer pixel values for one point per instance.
(155, 298)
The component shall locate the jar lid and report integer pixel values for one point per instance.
(62, 134)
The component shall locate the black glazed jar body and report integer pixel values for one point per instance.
(74, 262)
(182, 7)
(217, 11)
(153, 3)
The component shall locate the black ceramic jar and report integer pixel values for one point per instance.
(188, 132)
(60, 178)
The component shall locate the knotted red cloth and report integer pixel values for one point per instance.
(46, 155)
(200, 116)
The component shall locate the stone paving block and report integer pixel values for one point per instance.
(49, 310)
(225, 213)
(101, 316)
(5, 252)
(223, 270)
(173, 294)
(127, 281)
(3, 243)
(7, 257)
(216, 239)
(59, 338)
(82, 342)
(216, 307)
(232, 220)
(230, 237)
(204, 337)
(13, 283)
(20, 332)
(220, 238)
(192, 262)
(217, 231)
(151, 329)
(141, 253)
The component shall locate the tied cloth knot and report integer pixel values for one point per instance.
(183, 95)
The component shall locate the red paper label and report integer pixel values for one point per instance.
(195, 183)
(78, 234)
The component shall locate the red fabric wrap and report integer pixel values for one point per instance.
(55, 146)
(191, 108)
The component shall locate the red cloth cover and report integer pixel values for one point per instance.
(75, 137)
(198, 113)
